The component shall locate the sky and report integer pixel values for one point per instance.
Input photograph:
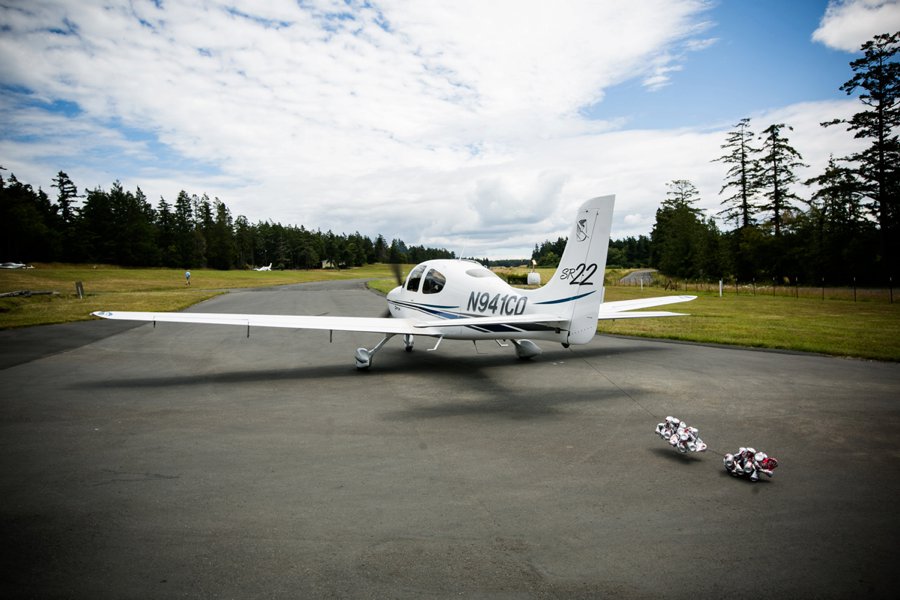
(470, 125)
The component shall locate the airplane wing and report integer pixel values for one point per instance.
(620, 308)
(325, 322)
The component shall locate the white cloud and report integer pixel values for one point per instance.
(848, 24)
(447, 124)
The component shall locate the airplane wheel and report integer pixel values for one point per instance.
(363, 359)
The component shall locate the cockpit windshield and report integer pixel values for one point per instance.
(412, 282)
(434, 282)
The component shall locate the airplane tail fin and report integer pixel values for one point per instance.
(576, 288)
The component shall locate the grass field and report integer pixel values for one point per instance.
(839, 327)
(115, 288)
(865, 329)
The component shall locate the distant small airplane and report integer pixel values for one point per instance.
(463, 300)
(266, 268)
(14, 265)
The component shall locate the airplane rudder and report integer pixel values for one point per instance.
(589, 238)
(584, 258)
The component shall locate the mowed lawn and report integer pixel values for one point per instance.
(115, 288)
(869, 328)
(865, 329)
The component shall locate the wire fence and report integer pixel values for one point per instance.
(824, 292)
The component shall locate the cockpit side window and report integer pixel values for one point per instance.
(434, 282)
(412, 283)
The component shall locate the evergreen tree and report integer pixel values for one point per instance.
(548, 254)
(307, 255)
(741, 175)
(98, 227)
(381, 249)
(243, 239)
(220, 238)
(839, 195)
(836, 240)
(186, 242)
(397, 252)
(776, 175)
(877, 77)
(682, 194)
(66, 196)
(682, 240)
(27, 223)
(165, 234)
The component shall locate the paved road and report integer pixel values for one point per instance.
(192, 461)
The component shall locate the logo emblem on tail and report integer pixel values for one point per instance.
(581, 231)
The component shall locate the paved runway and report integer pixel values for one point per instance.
(193, 461)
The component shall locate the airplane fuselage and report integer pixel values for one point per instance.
(460, 289)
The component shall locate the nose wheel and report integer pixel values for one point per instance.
(408, 342)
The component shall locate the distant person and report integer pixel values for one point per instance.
(187, 278)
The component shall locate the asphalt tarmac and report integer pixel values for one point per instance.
(193, 461)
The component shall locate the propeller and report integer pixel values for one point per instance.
(398, 273)
(397, 270)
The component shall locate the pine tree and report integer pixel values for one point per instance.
(877, 76)
(741, 174)
(67, 193)
(243, 238)
(682, 194)
(776, 175)
(220, 238)
(165, 234)
(682, 242)
(839, 195)
(185, 235)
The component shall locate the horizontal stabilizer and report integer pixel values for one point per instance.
(639, 315)
(621, 305)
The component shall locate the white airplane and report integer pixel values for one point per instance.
(463, 300)
(267, 268)
(14, 265)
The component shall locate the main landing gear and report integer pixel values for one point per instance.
(525, 349)
(364, 357)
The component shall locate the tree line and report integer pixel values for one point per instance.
(118, 226)
(843, 227)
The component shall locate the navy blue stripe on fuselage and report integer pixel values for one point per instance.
(430, 309)
(569, 299)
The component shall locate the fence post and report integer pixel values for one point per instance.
(854, 289)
